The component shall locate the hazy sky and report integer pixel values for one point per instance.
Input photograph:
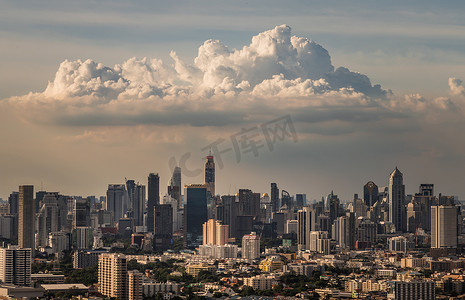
(96, 91)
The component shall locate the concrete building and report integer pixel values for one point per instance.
(412, 290)
(444, 226)
(194, 269)
(135, 285)
(397, 244)
(319, 242)
(15, 265)
(260, 282)
(218, 251)
(82, 238)
(85, 259)
(150, 289)
(59, 241)
(113, 275)
(251, 246)
(215, 233)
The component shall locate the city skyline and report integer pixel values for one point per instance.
(368, 86)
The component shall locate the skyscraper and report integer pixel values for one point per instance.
(174, 189)
(163, 226)
(26, 218)
(13, 201)
(444, 226)
(153, 195)
(136, 193)
(210, 176)
(397, 213)
(47, 218)
(286, 199)
(334, 207)
(251, 246)
(274, 197)
(370, 193)
(112, 275)
(117, 200)
(195, 213)
(304, 219)
(81, 215)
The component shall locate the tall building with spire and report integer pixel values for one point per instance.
(210, 175)
(397, 213)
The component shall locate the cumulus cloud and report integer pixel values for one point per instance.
(223, 86)
(456, 87)
(275, 63)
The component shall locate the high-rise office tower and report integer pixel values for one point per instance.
(174, 189)
(15, 265)
(130, 186)
(117, 200)
(251, 246)
(300, 200)
(195, 213)
(286, 199)
(334, 207)
(215, 233)
(153, 198)
(444, 226)
(304, 219)
(370, 193)
(47, 218)
(249, 203)
(346, 236)
(210, 176)
(397, 213)
(136, 193)
(26, 219)
(274, 197)
(163, 226)
(226, 212)
(81, 215)
(13, 202)
(113, 275)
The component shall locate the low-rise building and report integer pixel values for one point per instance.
(195, 269)
(260, 282)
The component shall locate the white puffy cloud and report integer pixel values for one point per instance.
(223, 86)
(456, 87)
(275, 63)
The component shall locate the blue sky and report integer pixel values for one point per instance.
(60, 137)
